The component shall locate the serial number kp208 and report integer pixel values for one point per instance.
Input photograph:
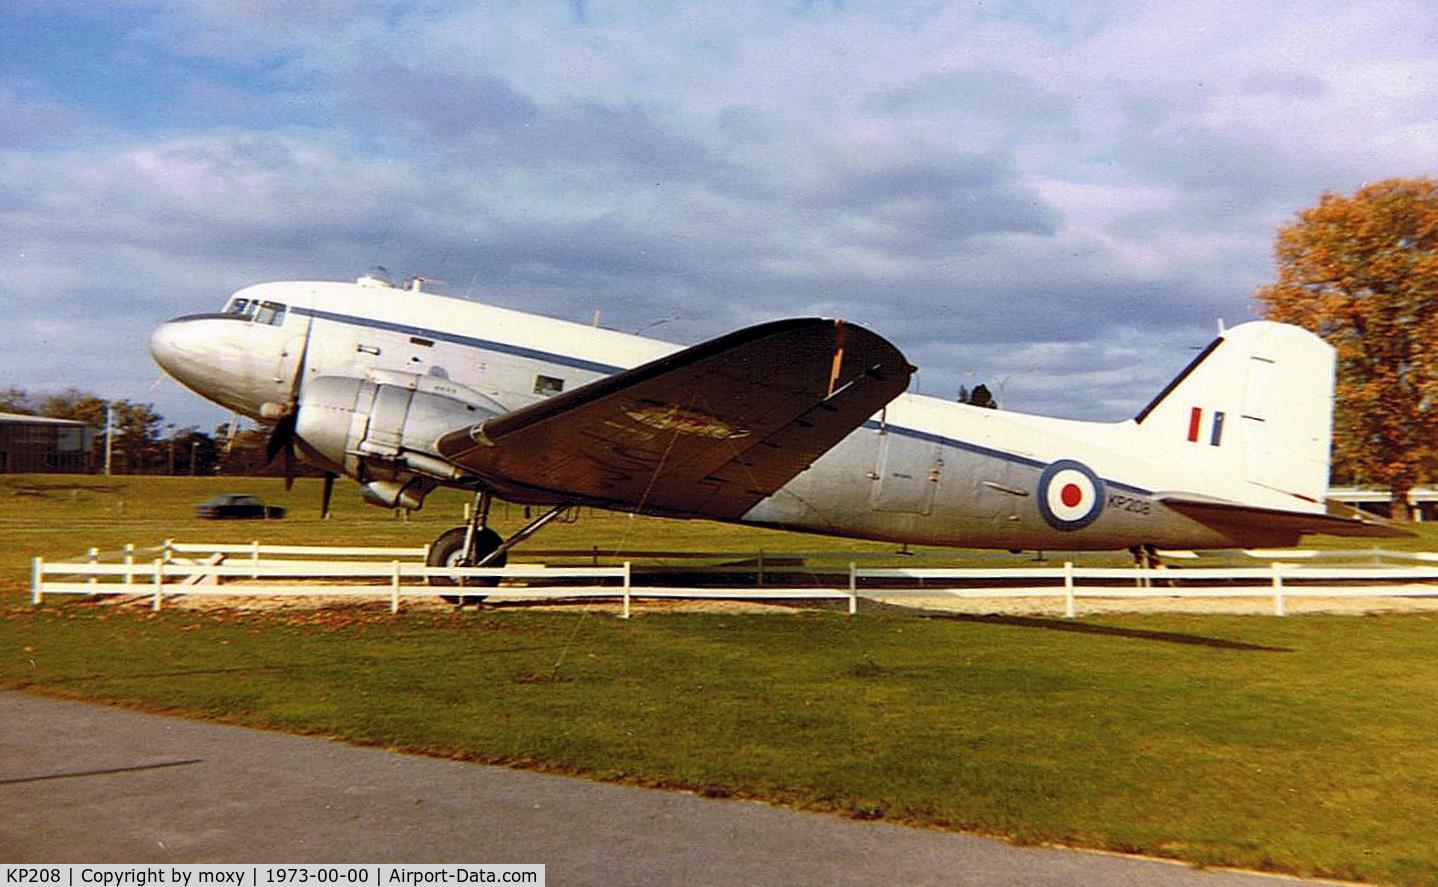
(1131, 504)
(32, 876)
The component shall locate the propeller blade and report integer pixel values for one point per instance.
(282, 436)
(299, 378)
(326, 492)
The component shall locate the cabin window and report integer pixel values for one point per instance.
(547, 385)
(424, 343)
(271, 313)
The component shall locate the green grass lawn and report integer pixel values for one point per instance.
(1301, 745)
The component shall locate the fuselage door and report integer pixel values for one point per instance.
(907, 474)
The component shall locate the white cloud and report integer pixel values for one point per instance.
(1009, 192)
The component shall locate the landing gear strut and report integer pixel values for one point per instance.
(471, 545)
(477, 545)
(1145, 557)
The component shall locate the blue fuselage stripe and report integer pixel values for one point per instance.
(607, 369)
(467, 341)
(989, 452)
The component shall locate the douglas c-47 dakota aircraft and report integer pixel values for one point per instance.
(801, 424)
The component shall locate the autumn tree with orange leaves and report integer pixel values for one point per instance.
(1362, 272)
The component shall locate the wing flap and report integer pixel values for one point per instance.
(1337, 519)
(706, 431)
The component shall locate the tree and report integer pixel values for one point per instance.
(979, 397)
(244, 454)
(137, 435)
(72, 403)
(16, 400)
(1362, 272)
(191, 451)
(136, 426)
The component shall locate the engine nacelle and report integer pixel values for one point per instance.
(382, 430)
(394, 494)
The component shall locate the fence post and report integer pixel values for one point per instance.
(159, 584)
(759, 575)
(92, 557)
(1069, 611)
(625, 614)
(129, 563)
(1278, 608)
(255, 559)
(37, 569)
(853, 588)
(394, 587)
(167, 550)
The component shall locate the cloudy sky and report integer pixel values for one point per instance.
(1058, 199)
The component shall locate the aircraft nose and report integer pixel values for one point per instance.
(183, 348)
(167, 347)
(210, 354)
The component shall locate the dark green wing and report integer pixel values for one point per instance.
(707, 431)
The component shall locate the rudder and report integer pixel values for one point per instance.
(1255, 405)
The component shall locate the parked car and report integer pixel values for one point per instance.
(238, 506)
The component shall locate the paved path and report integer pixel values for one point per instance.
(89, 784)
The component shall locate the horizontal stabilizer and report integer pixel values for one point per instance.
(1337, 519)
(708, 431)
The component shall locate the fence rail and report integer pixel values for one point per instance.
(293, 570)
(395, 579)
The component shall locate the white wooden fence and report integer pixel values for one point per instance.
(1278, 580)
(261, 572)
(174, 569)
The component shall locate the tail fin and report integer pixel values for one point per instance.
(1256, 405)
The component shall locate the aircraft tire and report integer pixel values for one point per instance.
(447, 551)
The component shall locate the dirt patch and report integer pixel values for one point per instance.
(498, 600)
(1090, 606)
(937, 601)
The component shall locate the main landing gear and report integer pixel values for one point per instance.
(476, 544)
(1145, 557)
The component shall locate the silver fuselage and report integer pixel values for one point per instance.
(923, 471)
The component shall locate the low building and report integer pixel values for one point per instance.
(37, 444)
(1422, 500)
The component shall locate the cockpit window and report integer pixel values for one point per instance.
(271, 313)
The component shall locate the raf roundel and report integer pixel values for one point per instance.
(1070, 495)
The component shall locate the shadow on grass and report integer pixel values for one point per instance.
(1167, 637)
